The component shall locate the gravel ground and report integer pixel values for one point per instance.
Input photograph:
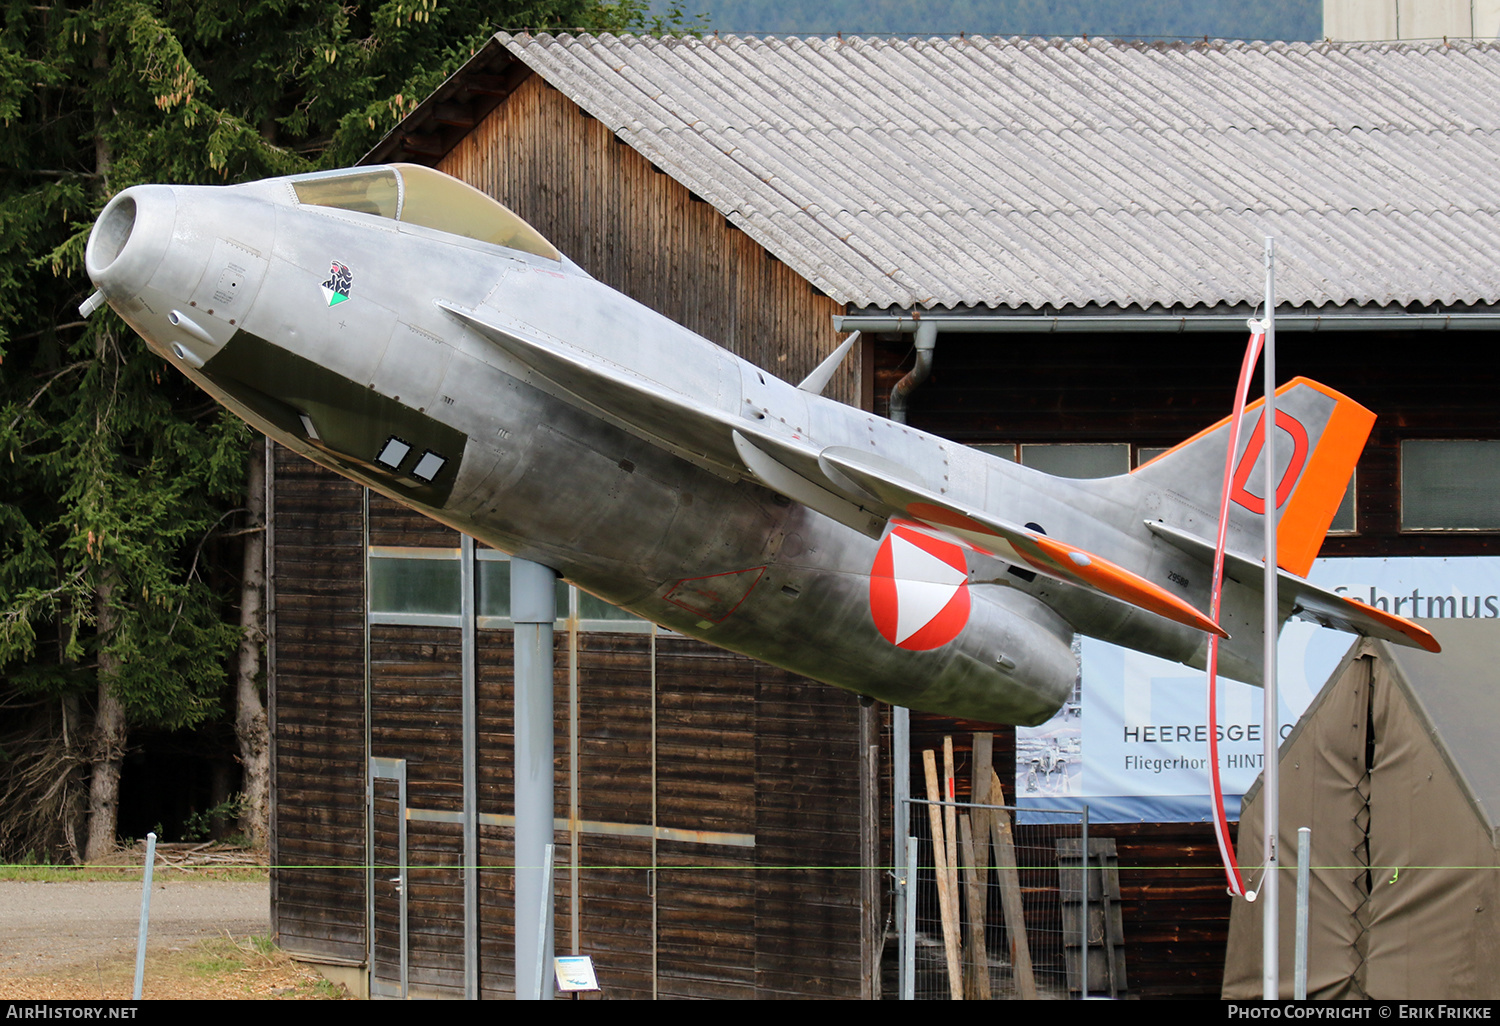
(53, 926)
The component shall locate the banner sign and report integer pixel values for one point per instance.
(1133, 744)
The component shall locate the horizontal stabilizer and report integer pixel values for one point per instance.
(1309, 602)
(1015, 544)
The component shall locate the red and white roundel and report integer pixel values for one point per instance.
(919, 590)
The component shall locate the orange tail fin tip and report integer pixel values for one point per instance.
(1400, 624)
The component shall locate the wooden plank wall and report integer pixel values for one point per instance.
(318, 713)
(807, 815)
(638, 230)
(706, 746)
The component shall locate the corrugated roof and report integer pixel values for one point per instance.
(1012, 173)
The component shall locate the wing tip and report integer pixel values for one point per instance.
(1420, 636)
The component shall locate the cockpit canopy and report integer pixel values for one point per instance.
(418, 195)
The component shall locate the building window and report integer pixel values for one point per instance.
(424, 587)
(416, 586)
(1078, 459)
(1006, 451)
(1344, 521)
(1450, 485)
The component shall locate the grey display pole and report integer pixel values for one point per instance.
(1271, 709)
(533, 609)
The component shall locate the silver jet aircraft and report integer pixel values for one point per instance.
(412, 334)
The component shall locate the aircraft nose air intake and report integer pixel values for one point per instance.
(129, 240)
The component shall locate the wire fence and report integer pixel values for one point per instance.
(990, 906)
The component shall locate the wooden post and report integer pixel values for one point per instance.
(1010, 893)
(984, 745)
(950, 834)
(947, 900)
(950, 814)
(983, 769)
(977, 968)
(984, 748)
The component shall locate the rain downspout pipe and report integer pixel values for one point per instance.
(901, 394)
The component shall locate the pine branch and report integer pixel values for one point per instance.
(49, 328)
(39, 392)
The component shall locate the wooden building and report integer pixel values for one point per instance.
(1082, 221)
(671, 754)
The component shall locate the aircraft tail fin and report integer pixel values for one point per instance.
(1320, 435)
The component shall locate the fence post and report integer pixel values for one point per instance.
(909, 925)
(140, 942)
(1084, 940)
(1304, 872)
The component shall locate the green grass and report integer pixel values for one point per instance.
(228, 959)
(325, 991)
(215, 962)
(27, 872)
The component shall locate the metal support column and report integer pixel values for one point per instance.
(533, 609)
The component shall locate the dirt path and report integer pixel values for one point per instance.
(78, 940)
(56, 925)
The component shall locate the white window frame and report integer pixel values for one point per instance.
(568, 613)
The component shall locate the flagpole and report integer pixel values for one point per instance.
(1270, 717)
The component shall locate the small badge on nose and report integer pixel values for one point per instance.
(336, 288)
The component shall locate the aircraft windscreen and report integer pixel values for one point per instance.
(434, 200)
(414, 194)
(368, 192)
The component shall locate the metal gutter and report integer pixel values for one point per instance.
(1158, 323)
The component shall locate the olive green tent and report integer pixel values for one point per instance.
(1396, 769)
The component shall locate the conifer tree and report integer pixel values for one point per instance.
(122, 486)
